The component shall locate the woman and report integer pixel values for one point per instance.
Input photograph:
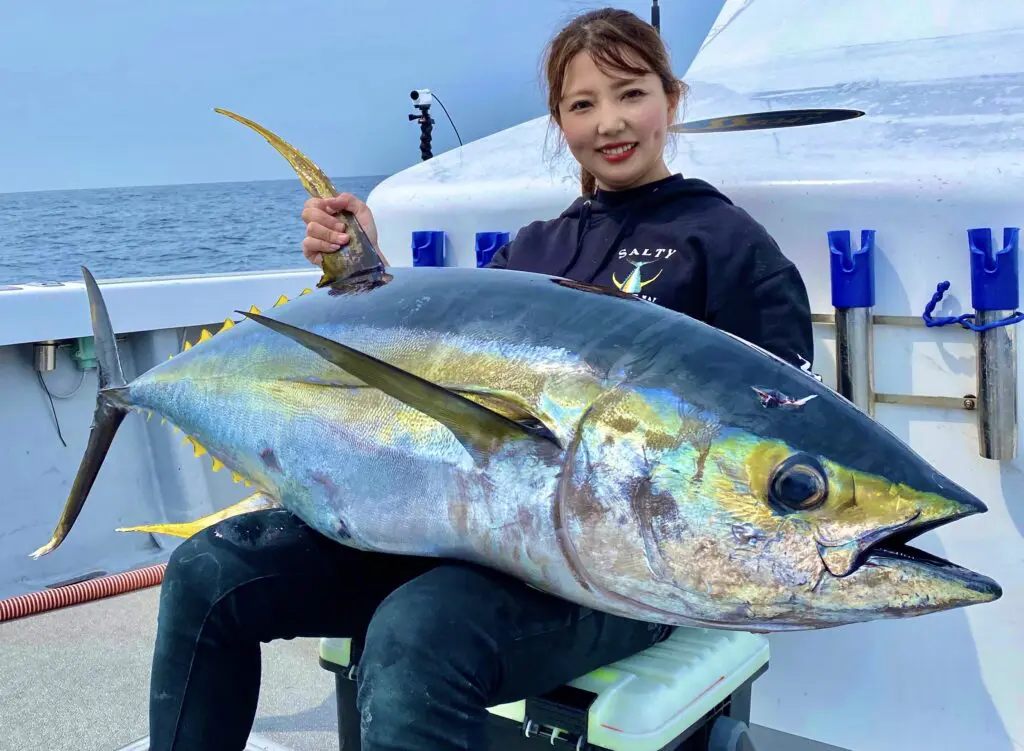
(444, 640)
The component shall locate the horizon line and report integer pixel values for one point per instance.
(337, 178)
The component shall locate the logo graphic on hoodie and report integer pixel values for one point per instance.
(635, 282)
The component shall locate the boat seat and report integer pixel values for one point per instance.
(690, 692)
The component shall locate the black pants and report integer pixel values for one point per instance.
(443, 640)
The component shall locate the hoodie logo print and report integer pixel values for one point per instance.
(635, 282)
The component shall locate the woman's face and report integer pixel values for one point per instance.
(615, 126)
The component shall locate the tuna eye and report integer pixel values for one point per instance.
(798, 484)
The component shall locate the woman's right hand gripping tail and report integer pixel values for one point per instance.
(326, 233)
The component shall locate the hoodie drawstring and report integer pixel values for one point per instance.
(581, 229)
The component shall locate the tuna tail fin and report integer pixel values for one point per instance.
(110, 411)
(481, 430)
(357, 259)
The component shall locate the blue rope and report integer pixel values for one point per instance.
(967, 319)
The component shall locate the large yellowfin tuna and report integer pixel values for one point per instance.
(598, 446)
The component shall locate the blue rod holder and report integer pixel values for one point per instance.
(487, 244)
(994, 273)
(428, 247)
(853, 297)
(853, 271)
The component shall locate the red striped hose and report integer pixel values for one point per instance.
(86, 591)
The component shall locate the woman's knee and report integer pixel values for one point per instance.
(193, 578)
(217, 560)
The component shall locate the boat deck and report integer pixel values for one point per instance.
(77, 679)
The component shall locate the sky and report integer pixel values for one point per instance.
(117, 93)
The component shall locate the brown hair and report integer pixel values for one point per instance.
(616, 40)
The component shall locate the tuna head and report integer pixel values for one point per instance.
(752, 510)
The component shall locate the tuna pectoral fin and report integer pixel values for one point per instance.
(480, 430)
(110, 411)
(256, 502)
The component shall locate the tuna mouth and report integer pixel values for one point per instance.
(890, 544)
(894, 546)
(944, 579)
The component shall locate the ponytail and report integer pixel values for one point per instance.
(588, 183)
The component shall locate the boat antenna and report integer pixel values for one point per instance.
(655, 16)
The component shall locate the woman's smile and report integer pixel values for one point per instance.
(618, 152)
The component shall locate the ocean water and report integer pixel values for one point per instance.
(153, 231)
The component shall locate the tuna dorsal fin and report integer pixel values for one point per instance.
(360, 258)
(481, 430)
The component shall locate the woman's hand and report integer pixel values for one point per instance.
(326, 233)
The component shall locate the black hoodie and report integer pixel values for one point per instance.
(680, 243)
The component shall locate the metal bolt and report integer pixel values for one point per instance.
(970, 402)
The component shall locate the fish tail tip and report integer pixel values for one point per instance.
(47, 548)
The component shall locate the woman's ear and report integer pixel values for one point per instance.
(673, 108)
(675, 99)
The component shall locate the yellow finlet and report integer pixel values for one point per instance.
(306, 291)
(280, 301)
(254, 309)
(258, 501)
(187, 347)
(217, 465)
(204, 336)
(228, 324)
(197, 448)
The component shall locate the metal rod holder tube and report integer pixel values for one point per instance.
(854, 357)
(995, 297)
(44, 356)
(853, 298)
(997, 387)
